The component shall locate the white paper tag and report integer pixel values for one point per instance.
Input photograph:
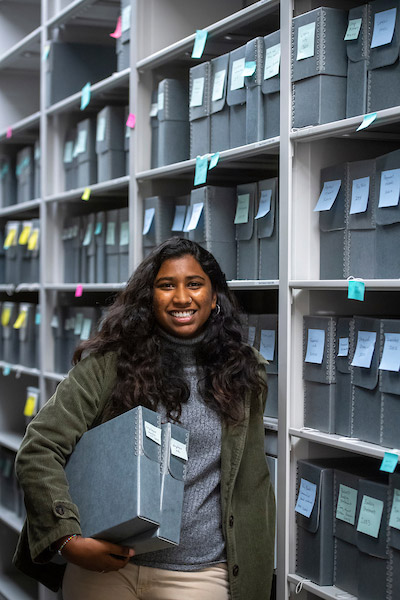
(81, 143)
(179, 218)
(160, 102)
(272, 61)
(68, 152)
(178, 449)
(237, 79)
(126, 19)
(148, 219)
(197, 92)
(306, 41)
(124, 234)
(195, 216)
(359, 195)
(219, 84)
(153, 432)
(267, 344)
(364, 349)
(265, 204)
(343, 347)
(154, 109)
(86, 328)
(315, 346)
(110, 236)
(101, 129)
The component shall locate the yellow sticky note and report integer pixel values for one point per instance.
(86, 193)
(20, 320)
(10, 238)
(5, 316)
(33, 240)
(24, 235)
(30, 406)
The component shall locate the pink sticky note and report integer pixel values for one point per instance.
(131, 121)
(9, 133)
(118, 29)
(78, 291)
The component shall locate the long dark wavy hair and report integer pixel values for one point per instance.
(150, 377)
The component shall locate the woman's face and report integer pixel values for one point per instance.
(183, 297)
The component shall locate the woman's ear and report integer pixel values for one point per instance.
(214, 301)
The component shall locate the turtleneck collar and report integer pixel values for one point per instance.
(184, 346)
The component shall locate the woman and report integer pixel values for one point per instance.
(172, 342)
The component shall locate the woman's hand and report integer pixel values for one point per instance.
(96, 555)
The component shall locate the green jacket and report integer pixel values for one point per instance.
(247, 499)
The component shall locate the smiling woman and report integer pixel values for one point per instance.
(172, 342)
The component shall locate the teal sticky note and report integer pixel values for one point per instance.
(214, 160)
(249, 68)
(369, 520)
(85, 97)
(37, 318)
(306, 498)
(6, 370)
(346, 504)
(389, 462)
(356, 290)
(394, 520)
(242, 209)
(46, 52)
(368, 119)
(200, 175)
(99, 228)
(199, 43)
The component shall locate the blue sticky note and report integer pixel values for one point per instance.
(213, 160)
(359, 195)
(365, 349)
(315, 346)
(199, 43)
(328, 195)
(267, 344)
(356, 290)
(384, 23)
(367, 120)
(343, 347)
(200, 175)
(6, 370)
(389, 192)
(390, 360)
(85, 97)
(306, 498)
(370, 517)
(99, 227)
(389, 462)
(265, 204)
(37, 318)
(179, 218)
(249, 68)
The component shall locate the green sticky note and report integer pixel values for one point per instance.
(389, 462)
(242, 209)
(199, 43)
(213, 160)
(356, 290)
(200, 175)
(346, 505)
(85, 97)
(395, 513)
(353, 29)
(369, 521)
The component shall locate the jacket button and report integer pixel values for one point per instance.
(235, 570)
(231, 521)
(59, 509)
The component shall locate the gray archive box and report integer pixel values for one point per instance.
(112, 247)
(58, 331)
(120, 453)
(393, 572)
(333, 227)
(24, 171)
(100, 244)
(219, 109)
(88, 251)
(172, 474)
(36, 171)
(246, 235)
(343, 402)
(10, 336)
(271, 87)
(70, 165)
(357, 62)
(123, 241)
(13, 252)
(321, 74)
(268, 230)
(154, 130)
(314, 549)
(83, 62)
(110, 143)
(384, 63)
(215, 230)
(319, 377)
(267, 345)
(8, 182)
(271, 442)
(86, 153)
(72, 242)
(365, 391)
(7, 479)
(123, 43)
(373, 560)
(199, 109)
(236, 97)
(27, 336)
(160, 229)
(387, 220)
(361, 226)
(254, 96)
(30, 254)
(127, 141)
(173, 122)
(389, 386)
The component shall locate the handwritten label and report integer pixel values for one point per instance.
(267, 344)
(265, 204)
(199, 43)
(219, 85)
(389, 192)
(343, 346)
(328, 195)
(389, 462)
(153, 432)
(242, 209)
(197, 209)
(346, 505)
(306, 498)
(359, 195)
(178, 449)
(315, 346)
(384, 23)
(179, 218)
(394, 520)
(390, 360)
(197, 92)
(364, 349)
(306, 41)
(369, 521)
(237, 74)
(272, 61)
(249, 68)
(353, 29)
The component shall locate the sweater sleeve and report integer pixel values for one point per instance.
(49, 440)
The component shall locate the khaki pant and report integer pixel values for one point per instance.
(135, 582)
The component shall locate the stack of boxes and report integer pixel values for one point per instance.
(20, 334)
(21, 243)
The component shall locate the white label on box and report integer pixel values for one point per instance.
(195, 216)
(384, 24)
(369, 521)
(315, 346)
(328, 195)
(364, 349)
(86, 328)
(265, 204)
(306, 41)
(237, 79)
(219, 84)
(110, 236)
(242, 209)
(346, 505)
(267, 344)
(197, 92)
(179, 218)
(148, 219)
(81, 143)
(124, 234)
(391, 353)
(78, 324)
(88, 235)
(54, 321)
(126, 18)
(343, 346)
(353, 29)
(306, 498)
(359, 195)
(251, 335)
(154, 109)
(272, 61)
(390, 188)
(394, 520)
(160, 102)
(153, 432)
(101, 129)
(178, 449)
(68, 152)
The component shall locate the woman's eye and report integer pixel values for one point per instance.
(194, 284)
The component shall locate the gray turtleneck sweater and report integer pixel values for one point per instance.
(202, 543)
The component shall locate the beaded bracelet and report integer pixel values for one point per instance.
(65, 542)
